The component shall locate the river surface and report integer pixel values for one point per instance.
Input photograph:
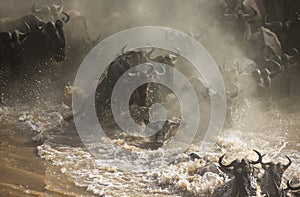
(57, 163)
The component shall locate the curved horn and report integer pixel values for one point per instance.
(225, 166)
(287, 165)
(259, 158)
(256, 74)
(274, 24)
(66, 18)
(276, 64)
(161, 73)
(150, 52)
(287, 57)
(289, 187)
(261, 161)
(27, 29)
(22, 35)
(296, 52)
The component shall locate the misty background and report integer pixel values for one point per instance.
(199, 18)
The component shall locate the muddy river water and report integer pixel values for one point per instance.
(59, 164)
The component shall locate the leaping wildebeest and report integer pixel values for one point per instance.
(10, 47)
(46, 41)
(11, 53)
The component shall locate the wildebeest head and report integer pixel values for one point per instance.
(53, 10)
(242, 170)
(11, 50)
(271, 179)
(276, 170)
(55, 35)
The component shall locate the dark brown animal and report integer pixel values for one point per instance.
(243, 182)
(271, 180)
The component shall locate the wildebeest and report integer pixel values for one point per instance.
(243, 182)
(11, 54)
(271, 180)
(281, 19)
(170, 60)
(121, 64)
(46, 41)
(144, 96)
(263, 45)
(115, 70)
(11, 50)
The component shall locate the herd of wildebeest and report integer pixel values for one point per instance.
(245, 177)
(268, 30)
(32, 45)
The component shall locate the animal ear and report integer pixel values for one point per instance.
(40, 25)
(59, 24)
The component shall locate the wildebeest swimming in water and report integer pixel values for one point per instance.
(271, 180)
(270, 30)
(144, 96)
(243, 182)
